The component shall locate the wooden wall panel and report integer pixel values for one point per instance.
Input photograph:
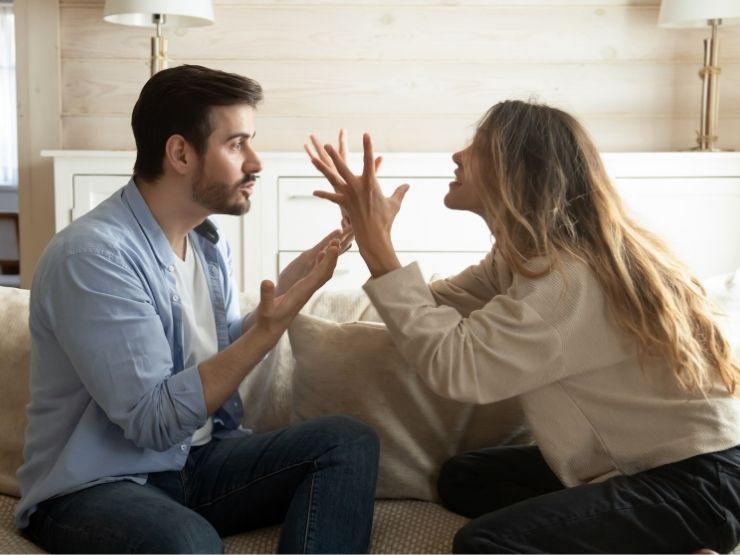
(429, 133)
(558, 31)
(417, 74)
(400, 88)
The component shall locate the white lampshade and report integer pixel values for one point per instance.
(696, 13)
(179, 13)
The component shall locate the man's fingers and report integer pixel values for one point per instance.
(335, 234)
(345, 241)
(267, 296)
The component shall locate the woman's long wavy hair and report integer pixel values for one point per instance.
(545, 193)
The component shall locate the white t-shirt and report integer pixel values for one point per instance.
(198, 322)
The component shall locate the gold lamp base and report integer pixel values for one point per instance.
(706, 137)
(159, 46)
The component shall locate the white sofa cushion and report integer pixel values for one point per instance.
(14, 371)
(353, 368)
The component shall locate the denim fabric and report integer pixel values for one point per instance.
(111, 398)
(318, 478)
(675, 508)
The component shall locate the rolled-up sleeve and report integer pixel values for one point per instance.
(108, 326)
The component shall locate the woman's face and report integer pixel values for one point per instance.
(463, 193)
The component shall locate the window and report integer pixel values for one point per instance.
(8, 107)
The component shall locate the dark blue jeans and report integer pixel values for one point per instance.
(317, 478)
(519, 506)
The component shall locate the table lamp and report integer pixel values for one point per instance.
(704, 13)
(159, 14)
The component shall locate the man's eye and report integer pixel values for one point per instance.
(237, 146)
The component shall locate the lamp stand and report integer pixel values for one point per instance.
(707, 135)
(159, 46)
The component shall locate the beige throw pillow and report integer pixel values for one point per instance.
(354, 369)
(15, 348)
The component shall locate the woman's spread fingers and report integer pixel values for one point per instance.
(340, 164)
(342, 142)
(320, 149)
(336, 198)
(369, 157)
(378, 162)
(400, 192)
(326, 170)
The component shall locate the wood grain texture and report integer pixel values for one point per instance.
(404, 88)
(414, 133)
(558, 31)
(418, 74)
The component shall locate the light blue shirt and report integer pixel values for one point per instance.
(110, 398)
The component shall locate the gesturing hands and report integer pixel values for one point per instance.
(276, 310)
(322, 157)
(371, 213)
(305, 262)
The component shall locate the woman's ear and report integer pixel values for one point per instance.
(179, 154)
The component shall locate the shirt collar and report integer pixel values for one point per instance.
(153, 232)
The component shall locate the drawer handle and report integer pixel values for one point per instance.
(303, 197)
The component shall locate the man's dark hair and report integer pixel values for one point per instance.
(178, 101)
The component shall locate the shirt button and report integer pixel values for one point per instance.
(175, 298)
(183, 447)
(170, 268)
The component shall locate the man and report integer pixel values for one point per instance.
(134, 441)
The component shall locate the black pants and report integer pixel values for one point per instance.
(519, 506)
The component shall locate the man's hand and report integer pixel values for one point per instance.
(222, 373)
(305, 262)
(275, 313)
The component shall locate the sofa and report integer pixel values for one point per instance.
(336, 359)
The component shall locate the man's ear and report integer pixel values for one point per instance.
(179, 154)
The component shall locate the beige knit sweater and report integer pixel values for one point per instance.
(488, 334)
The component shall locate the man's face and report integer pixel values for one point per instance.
(229, 167)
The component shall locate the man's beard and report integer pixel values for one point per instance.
(216, 196)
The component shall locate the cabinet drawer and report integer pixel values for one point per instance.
(423, 224)
(696, 216)
(351, 271)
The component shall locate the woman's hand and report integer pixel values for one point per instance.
(371, 213)
(321, 155)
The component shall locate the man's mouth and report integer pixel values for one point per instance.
(248, 182)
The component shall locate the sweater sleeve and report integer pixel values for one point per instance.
(500, 350)
(472, 288)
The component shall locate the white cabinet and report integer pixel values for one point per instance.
(690, 199)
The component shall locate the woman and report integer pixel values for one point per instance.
(586, 317)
